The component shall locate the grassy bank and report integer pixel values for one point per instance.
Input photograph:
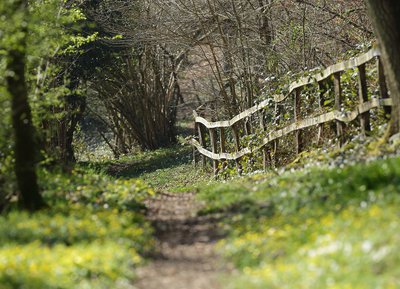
(316, 227)
(92, 235)
(168, 170)
(313, 228)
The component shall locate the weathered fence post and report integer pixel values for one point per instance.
(265, 149)
(236, 140)
(214, 148)
(383, 87)
(222, 141)
(247, 126)
(266, 157)
(194, 156)
(321, 101)
(276, 141)
(262, 123)
(338, 106)
(297, 117)
(363, 97)
(202, 143)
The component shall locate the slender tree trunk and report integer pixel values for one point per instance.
(29, 197)
(385, 19)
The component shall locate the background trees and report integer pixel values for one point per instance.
(234, 46)
(131, 65)
(137, 81)
(29, 72)
(225, 54)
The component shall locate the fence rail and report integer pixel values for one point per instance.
(341, 118)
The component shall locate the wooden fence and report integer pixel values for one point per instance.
(217, 141)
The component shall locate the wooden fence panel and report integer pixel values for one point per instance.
(271, 139)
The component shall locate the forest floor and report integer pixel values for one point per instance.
(153, 220)
(270, 230)
(185, 254)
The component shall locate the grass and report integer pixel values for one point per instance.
(316, 227)
(313, 228)
(168, 170)
(93, 234)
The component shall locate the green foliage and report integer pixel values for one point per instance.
(94, 190)
(48, 26)
(95, 265)
(6, 153)
(316, 228)
(76, 225)
(354, 248)
(168, 169)
(93, 235)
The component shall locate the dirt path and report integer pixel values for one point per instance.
(186, 257)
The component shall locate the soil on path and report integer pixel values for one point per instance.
(185, 257)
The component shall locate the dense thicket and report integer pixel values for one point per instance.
(211, 52)
(236, 47)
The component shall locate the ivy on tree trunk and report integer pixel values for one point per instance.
(385, 19)
(25, 153)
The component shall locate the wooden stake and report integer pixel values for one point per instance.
(338, 106)
(214, 147)
(363, 97)
(202, 143)
(237, 147)
(321, 101)
(276, 142)
(297, 117)
(383, 87)
(222, 141)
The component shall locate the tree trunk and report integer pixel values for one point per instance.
(29, 196)
(385, 19)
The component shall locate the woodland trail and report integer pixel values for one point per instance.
(185, 257)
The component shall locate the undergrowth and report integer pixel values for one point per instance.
(168, 169)
(331, 225)
(92, 235)
(312, 228)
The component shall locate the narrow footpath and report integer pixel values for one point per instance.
(186, 256)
